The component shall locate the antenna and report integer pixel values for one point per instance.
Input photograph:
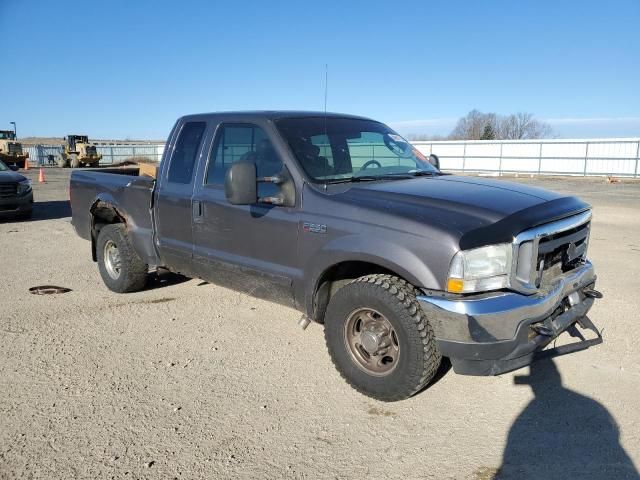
(326, 89)
(326, 85)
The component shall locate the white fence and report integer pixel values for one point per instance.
(616, 157)
(111, 153)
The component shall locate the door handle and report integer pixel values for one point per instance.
(196, 207)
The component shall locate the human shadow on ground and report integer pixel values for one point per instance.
(562, 434)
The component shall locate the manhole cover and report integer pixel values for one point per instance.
(48, 290)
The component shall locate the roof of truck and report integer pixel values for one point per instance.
(272, 114)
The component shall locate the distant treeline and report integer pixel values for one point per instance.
(477, 125)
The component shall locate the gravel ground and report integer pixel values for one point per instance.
(189, 380)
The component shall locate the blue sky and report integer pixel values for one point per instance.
(116, 69)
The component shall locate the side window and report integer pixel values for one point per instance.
(185, 153)
(241, 143)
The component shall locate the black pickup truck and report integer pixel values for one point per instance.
(16, 195)
(341, 218)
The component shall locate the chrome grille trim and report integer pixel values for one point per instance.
(534, 235)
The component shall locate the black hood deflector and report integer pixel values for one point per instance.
(506, 229)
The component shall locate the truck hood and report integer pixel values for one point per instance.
(10, 176)
(476, 211)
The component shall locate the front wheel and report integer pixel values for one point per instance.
(121, 268)
(379, 339)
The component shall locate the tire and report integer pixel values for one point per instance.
(411, 338)
(129, 274)
(62, 162)
(75, 163)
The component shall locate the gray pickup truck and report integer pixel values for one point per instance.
(341, 218)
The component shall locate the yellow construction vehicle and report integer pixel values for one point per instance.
(10, 150)
(78, 152)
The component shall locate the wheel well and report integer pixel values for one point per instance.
(102, 213)
(336, 277)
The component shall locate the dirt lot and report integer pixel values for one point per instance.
(188, 380)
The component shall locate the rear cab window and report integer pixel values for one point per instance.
(183, 159)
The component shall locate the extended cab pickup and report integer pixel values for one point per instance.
(341, 218)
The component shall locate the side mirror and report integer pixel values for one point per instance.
(15, 168)
(240, 184)
(434, 160)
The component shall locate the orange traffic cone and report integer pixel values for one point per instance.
(26, 163)
(41, 176)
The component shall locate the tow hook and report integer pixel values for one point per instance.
(592, 293)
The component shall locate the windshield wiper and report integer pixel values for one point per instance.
(367, 178)
(422, 173)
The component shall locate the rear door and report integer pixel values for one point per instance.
(251, 248)
(173, 209)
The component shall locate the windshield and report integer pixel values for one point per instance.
(331, 149)
(5, 135)
(3, 167)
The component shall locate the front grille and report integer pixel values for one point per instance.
(8, 190)
(15, 148)
(566, 249)
(543, 253)
(91, 151)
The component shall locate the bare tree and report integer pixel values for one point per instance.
(523, 126)
(424, 136)
(515, 126)
(471, 127)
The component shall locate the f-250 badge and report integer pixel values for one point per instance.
(314, 227)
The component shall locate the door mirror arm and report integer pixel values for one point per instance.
(277, 179)
(241, 186)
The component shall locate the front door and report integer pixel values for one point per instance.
(173, 201)
(251, 248)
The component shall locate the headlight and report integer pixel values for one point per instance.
(480, 269)
(24, 187)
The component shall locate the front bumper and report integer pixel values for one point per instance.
(17, 205)
(494, 333)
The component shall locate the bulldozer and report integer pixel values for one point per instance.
(10, 150)
(78, 152)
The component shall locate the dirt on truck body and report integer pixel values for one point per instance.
(341, 218)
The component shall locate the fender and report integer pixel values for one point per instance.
(390, 256)
(141, 237)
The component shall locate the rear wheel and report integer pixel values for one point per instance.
(121, 268)
(379, 339)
